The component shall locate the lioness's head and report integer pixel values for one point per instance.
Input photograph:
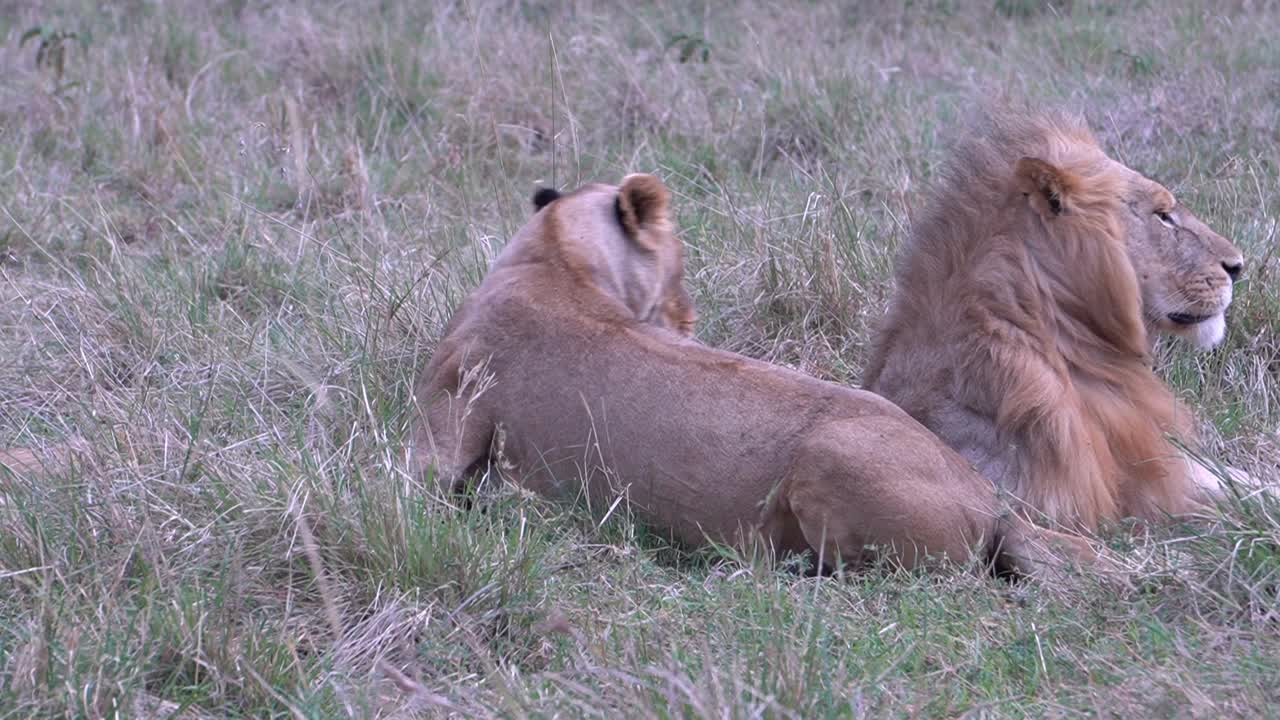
(1183, 269)
(623, 240)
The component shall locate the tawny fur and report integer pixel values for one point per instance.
(1019, 333)
(581, 327)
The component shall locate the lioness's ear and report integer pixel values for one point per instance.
(544, 197)
(642, 202)
(1048, 186)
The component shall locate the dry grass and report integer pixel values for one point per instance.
(230, 234)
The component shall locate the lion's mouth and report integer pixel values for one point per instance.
(1188, 318)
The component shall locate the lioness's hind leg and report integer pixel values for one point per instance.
(780, 530)
(1028, 550)
(861, 486)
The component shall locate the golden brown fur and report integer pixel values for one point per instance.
(1018, 331)
(572, 358)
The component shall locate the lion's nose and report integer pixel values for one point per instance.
(1233, 268)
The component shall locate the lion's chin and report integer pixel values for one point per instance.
(1204, 334)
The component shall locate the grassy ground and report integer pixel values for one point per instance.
(231, 232)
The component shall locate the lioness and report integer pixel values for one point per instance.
(580, 327)
(1020, 329)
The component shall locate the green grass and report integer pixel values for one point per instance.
(230, 235)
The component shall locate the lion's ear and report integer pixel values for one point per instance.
(643, 202)
(1049, 187)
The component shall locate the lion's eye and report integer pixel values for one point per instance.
(1165, 218)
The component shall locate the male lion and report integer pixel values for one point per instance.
(581, 329)
(1021, 325)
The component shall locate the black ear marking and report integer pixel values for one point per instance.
(544, 197)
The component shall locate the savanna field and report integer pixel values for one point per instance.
(232, 232)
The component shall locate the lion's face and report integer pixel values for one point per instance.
(1185, 269)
